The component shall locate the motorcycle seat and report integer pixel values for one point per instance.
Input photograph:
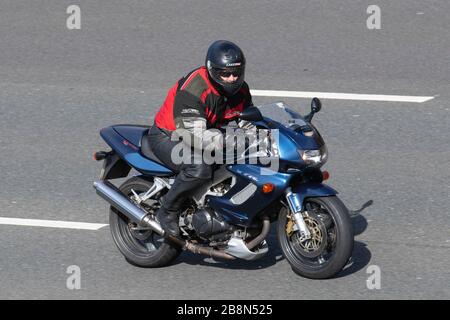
(146, 150)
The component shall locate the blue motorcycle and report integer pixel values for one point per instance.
(230, 217)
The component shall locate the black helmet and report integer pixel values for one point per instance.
(224, 58)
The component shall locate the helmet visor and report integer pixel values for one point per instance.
(225, 73)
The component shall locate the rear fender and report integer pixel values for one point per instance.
(114, 167)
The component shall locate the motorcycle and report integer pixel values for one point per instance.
(230, 217)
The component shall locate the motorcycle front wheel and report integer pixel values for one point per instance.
(331, 243)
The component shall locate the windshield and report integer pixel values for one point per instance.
(282, 113)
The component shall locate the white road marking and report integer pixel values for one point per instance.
(52, 224)
(340, 96)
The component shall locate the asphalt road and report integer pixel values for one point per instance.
(59, 87)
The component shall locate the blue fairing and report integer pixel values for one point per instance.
(290, 141)
(243, 214)
(126, 141)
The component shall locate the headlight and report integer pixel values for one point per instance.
(314, 157)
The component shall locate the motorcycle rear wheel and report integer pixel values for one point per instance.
(142, 248)
(327, 253)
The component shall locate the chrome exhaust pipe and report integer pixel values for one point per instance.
(110, 193)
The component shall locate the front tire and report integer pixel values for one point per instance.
(331, 246)
(143, 248)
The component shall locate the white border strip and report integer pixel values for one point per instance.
(52, 224)
(341, 96)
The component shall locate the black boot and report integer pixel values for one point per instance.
(189, 178)
(168, 214)
(171, 205)
(168, 220)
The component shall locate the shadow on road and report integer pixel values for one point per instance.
(359, 222)
(360, 258)
(272, 257)
(361, 255)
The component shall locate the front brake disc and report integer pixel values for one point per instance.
(313, 247)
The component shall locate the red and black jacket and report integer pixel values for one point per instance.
(194, 98)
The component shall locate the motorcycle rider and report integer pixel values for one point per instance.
(210, 95)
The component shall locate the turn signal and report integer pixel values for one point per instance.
(325, 175)
(268, 187)
(100, 155)
(94, 156)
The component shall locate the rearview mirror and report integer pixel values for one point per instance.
(316, 105)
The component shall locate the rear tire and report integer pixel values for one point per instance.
(141, 248)
(331, 220)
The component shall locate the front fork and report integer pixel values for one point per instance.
(295, 205)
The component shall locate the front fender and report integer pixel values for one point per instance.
(310, 190)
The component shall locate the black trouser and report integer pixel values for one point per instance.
(189, 175)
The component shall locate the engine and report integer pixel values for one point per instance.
(208, 223)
